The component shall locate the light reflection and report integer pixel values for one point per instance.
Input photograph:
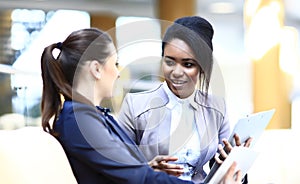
(32, 31)
(289, 56)
(263, 32)
(19, 36)
(222, 8)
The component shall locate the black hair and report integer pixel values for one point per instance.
(197, 33)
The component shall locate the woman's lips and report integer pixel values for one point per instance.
(178, 83)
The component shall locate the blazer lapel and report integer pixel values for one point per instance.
(156, 132)
(207, 132)
(118, 131)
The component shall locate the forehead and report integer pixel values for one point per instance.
(112, 51)
(112, 48)
(178, 48)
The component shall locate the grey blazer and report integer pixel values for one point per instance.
(146, 119)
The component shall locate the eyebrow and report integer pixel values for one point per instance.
(182, 59)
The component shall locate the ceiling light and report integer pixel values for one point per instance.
(222, 8)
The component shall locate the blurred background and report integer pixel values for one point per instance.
(256, 49)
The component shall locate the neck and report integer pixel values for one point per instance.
(89, 93)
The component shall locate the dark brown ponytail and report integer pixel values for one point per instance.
(58, 73)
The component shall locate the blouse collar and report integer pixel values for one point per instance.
(174, 100)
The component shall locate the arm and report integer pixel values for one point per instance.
(94, 145)
(224, 131)
(126, 118)
(126, 121)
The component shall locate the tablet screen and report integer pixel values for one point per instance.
(251, 126)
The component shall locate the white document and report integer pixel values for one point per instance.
(243, 156)
(251, 126)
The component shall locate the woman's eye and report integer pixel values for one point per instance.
(188, 64)
(169, 62)
(117, 64)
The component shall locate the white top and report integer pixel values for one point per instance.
(188, 152)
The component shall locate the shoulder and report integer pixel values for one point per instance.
(77, 121)
(75, 108)
(78, 113)
(143, 101)
(211, 102)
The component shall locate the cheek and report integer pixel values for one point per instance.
(193, 75)
(113, 72)
(165, 70)
(116, 73)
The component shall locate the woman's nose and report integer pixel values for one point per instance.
(178, 70)
(118, 73)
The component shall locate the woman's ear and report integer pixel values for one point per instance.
(95, 69)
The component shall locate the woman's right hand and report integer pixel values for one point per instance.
(160, 163)
(232, 176)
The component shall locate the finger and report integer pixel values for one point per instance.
(217, 159)
(174, 172)
(156, 164)
(170, 158)
(160, 158)
(231, 169)
(248, 142)
(237, 140)
(222, 152)
(228, 146)
(170, 166)
(231, 172)
(228, 177)
(165, 158)
(157, 170)
(238, 176)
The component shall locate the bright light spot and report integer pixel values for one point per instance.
(138, 37)
(251, 7)
(289, 56)
(222, 8)
(263, 33)
(19, 36)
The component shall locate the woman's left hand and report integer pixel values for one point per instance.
(224, 151)
(160, 163)
(238, 141)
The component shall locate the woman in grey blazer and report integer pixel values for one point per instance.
(154, 118)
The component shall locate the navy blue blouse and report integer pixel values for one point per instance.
(99, 151)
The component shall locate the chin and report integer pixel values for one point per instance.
(182, 93)
(108, 96)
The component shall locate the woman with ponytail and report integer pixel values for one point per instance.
(74, 83)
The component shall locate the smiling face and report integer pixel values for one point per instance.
(180, 68)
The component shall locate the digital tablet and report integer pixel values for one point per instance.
(243, 156)
(252, 125)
